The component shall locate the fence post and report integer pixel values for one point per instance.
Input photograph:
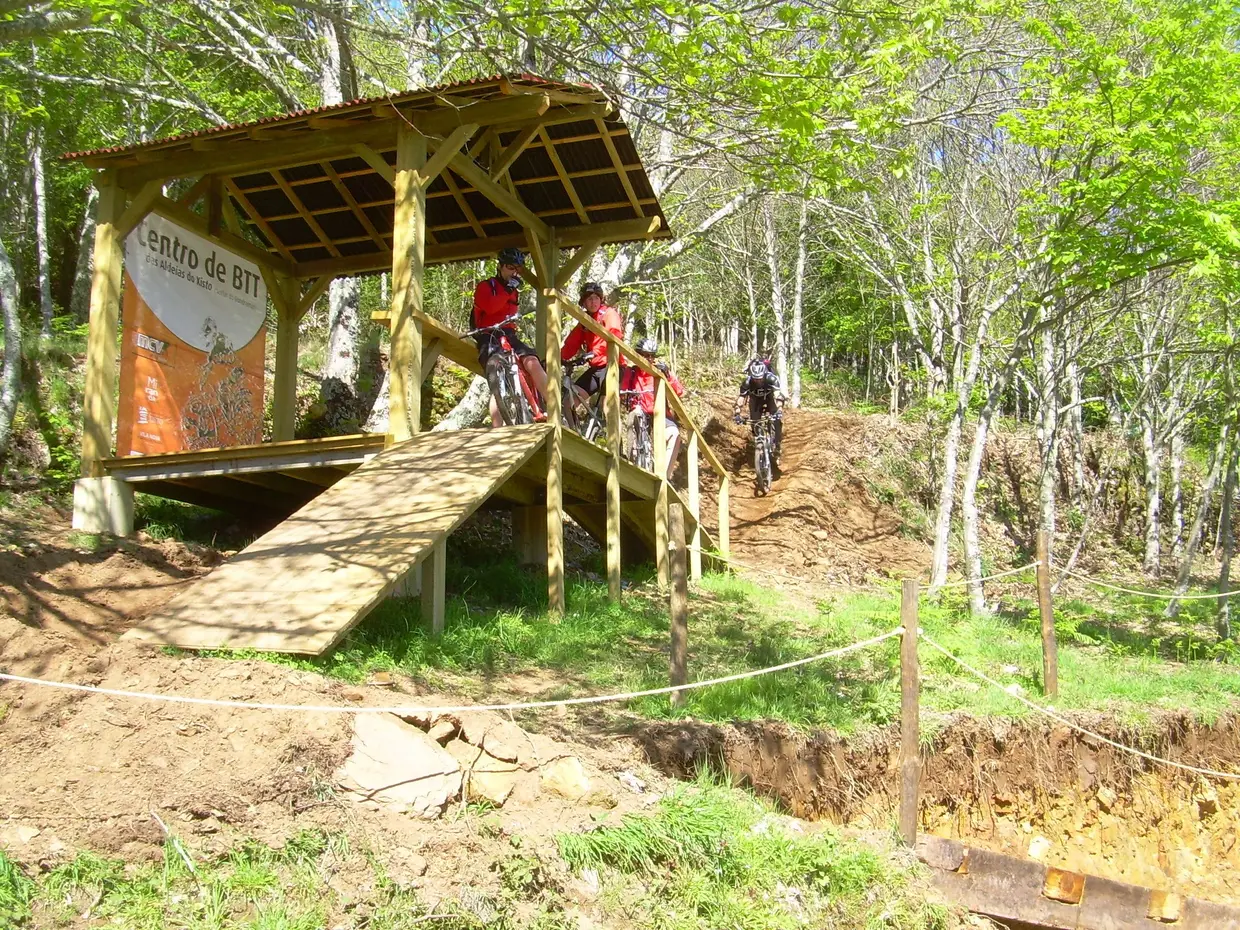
(1050, 648)
(910, 723)
(678, 601)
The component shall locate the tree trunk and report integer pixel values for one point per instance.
(969, 511)
(893, 381)
(40, 233)
(79, 301)
(777, 290)
(1076, 419)
(947, 497)
(1153, 498)
(1224, 574)
(1048, 432)
(472, 410)
(10, 373)
(798, 298)
(1177, 497)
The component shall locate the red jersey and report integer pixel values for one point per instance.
(494, 301)
(634, 379)
(582, 340)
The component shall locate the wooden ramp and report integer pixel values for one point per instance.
(303, 585)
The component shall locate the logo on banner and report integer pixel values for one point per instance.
(194, 342)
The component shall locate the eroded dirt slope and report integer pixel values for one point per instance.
(821, 518)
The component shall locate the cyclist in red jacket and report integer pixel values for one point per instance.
(634, 379)
(593, 301)
(495, 300)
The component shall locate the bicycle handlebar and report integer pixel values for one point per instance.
(497, 326)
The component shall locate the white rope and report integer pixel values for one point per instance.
(1231, 776)
(1153, 594)
(414, 709)
(1011, 571)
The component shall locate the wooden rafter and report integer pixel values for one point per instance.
(462, 203)
(563, 176)
(306, 215)
(257, 218)
(618, 164)
(191, 220)
(503, 161)
(362, 218)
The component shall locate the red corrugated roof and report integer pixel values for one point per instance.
(402, 97)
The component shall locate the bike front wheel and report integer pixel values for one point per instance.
(502, 378)
(762, 468)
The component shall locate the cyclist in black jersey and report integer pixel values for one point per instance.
(762, 386)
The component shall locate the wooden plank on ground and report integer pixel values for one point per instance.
(302, 586)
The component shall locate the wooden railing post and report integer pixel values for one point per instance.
(288, 324)
(659, 441)
(910, 723)
(725, 530)
(678, 602)
(695, 503)
(555, 441)
(408, 260)
(1050, 648)
(611, 412)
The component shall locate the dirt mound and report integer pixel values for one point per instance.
(1022, 788)
(821, 518)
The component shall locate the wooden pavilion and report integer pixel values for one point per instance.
(395, 183)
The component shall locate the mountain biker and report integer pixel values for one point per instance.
(762, 386)
(495, 300)
(593, 301)
(634, 379)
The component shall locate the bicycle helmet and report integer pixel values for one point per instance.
(647, 345)
(758, 369)
(511, 257)
(592, 287)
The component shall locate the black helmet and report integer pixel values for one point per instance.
(758, 369)
(511, 257)
(591, 287)
(647, 345)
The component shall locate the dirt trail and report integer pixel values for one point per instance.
(820, 519)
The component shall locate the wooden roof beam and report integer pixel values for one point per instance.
(507, 201)
(306, 215)
(618, 163)
(563, 176)
(503, 161)
(505, 109)
(617, 231)
(257, 219)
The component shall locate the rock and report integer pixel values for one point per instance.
(632, 782)
(1207, 801)
(465, 754)
(404, 865)
(18, 835)
(441, 731)
(493, 779)
(1106, 798)
(821, 535)
(501, 738)
(566, 777)
(399, 767)
(1039, 847)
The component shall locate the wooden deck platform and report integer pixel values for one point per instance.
(303, 585)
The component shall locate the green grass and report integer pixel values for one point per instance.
(1115, 655)
(709, 856)
(161, 518)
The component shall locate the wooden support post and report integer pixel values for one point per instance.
(529, 534)
(678, 602)
(910, 723)
(659, 441)
(555, 441)
(408, 258)
(99, 392)
(1050, 648)
(611, 413)
(434, 574)
(284, 294)
(695, 505)
(725, 522)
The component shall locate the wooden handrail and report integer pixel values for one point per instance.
(637, 361)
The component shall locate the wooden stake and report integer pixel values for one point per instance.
(678, 603)
(99, 391)
(434, 597)
(555, 441)
(1050, 648)
(408, 258)
(725, 534)
(910, 724)
(659, 441)
(284, 392)
(695, 506)
(612, 414)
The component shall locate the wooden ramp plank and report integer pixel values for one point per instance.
(300, 587)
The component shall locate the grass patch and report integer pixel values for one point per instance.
(161, 519)
(709, 856)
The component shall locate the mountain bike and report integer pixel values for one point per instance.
(592, 425)
(510, 386)
(762, 453)
(640, 448)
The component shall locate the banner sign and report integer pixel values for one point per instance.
(194, 341)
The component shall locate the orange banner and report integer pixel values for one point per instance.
(194, 340)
